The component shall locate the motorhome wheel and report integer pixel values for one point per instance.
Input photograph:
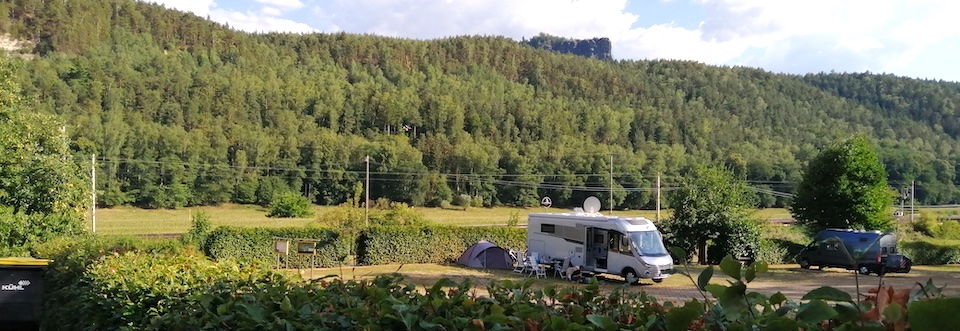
(629, 274)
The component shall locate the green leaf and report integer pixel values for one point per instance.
(733, 301)
(827, 293)
(757, 298)
(255, 312)
(680, 318)
(679, 254)
(847, 311)
(750, 273)
(715, 290)
(602, 321)
(934, 314)
(409, 320)
(893, 312)
(730, 267)
(704, 277)
(815, 311)
(777, 298)
(929, 290)
(428, 325)
(285, 305)
(781, 323)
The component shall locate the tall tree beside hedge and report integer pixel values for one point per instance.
(845, 186)
(711, 214)
(42, 193)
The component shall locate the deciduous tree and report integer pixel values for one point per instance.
(711, 214)
(845, 186)
(42, 191)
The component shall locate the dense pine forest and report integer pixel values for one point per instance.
(181, 111)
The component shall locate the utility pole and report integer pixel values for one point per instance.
(93, 190)
(903, 200)
(913, 189)
(611, 184)
(658, 197)
(366, 202)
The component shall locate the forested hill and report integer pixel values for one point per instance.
(181, 111)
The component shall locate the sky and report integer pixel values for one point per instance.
(915, 38)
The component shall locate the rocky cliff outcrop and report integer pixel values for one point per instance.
(596, 48)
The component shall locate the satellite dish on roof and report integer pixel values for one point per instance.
(591, 205)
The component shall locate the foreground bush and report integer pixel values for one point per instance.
(125, 284)
(112, 283)
(68, 280)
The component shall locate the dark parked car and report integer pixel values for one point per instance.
(865, 251)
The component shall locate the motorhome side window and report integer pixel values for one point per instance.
(619, 243)
(548, 228)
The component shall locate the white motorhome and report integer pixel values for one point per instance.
(627, 246)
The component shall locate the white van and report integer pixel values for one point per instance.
(630, 247)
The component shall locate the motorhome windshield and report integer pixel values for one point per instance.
(648, 243)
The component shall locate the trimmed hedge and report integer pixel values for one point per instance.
(931, 252)
(257, 244)
(430, 244)
(117, 283)
(67, 282)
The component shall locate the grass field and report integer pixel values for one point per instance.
(131, 221)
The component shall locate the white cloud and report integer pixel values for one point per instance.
(199, 7)
(513, 18)
(671, 42)
(271, 11)
(285, 4)
(267, 20)
(253, 22)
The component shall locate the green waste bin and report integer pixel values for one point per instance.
(21, 290)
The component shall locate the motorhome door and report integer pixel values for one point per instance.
(596, 247)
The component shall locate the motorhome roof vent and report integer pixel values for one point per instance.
(638, 221)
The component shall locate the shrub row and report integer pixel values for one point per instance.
(374, 245)
(257, 244)
(929, 252)
(430, 244)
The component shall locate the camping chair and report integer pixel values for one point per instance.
(560, 268)
(521, 265)
(539, 271)
(533, 263)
